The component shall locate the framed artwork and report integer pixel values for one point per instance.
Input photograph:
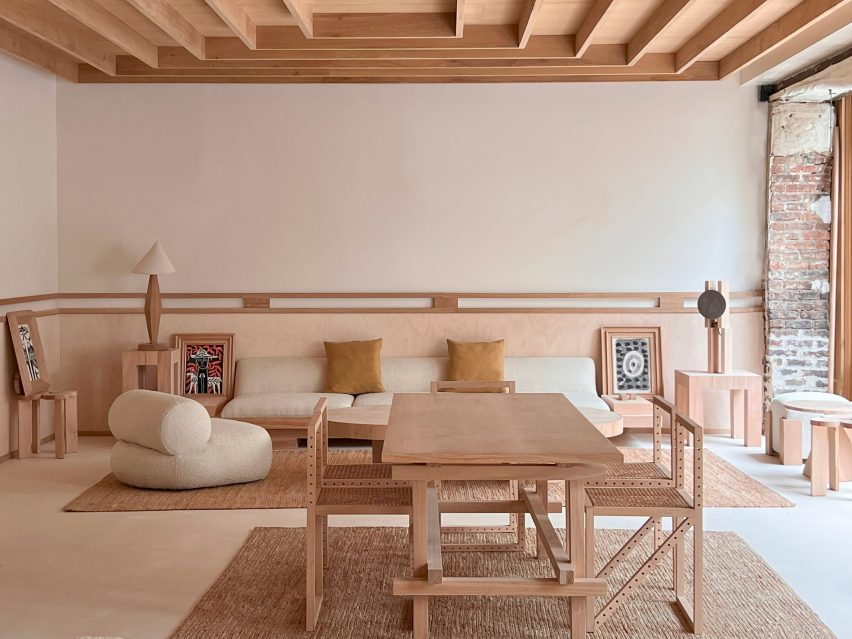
(206, 365)
(29, 352)
(631, 360)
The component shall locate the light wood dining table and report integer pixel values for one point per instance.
(489, 436)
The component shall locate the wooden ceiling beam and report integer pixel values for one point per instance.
(654, 26)
(715, 30)
(165, 16)
(786, 27)
(475, 37)
(593, 20)
(233, 14)
(180, 59)
(803, 40)
(527, 22)
(55, 29)
(704, 71)
(384, 25)
(24, 47)
(303, 15)
(111, 28)
(539, 47)
(459, 18)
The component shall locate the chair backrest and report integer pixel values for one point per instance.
(507, 386)
(317, 449)
(685, 428)
(664, 413)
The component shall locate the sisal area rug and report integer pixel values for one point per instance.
(724, 485)
(261, 594)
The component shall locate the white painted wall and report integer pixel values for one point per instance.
(529, 187)
(28, 239)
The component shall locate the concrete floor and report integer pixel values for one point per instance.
(136, 575)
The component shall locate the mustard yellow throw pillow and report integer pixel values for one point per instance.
(354, 367)
(476, 361)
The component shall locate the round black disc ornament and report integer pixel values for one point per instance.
(712, 305)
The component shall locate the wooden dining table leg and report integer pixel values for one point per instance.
(576, 546)
(542, 490)
(419, 565)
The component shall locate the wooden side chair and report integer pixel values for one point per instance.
(340, 489)
(830, 461)
(622, 498)
(32, 386)
(516, 526)
(659, 472)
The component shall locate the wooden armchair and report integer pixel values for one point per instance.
(626, 497)
(340, 489)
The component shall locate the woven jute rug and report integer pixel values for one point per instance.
(724, 485)
(261, 595)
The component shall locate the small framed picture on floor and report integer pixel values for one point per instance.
(631, 361)
(206, 366)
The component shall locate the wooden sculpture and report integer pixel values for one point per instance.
(713, 304)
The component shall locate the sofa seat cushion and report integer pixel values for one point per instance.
(272, 405)
(236, 453)
(578, 398)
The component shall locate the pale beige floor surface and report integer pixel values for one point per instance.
(136, 575)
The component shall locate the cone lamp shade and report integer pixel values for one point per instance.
(154, 262)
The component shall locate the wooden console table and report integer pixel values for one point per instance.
(136, 366)
(746, 392)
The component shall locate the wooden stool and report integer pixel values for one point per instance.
(64, 423)
(831, 454)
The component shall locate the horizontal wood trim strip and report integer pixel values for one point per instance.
(658, 303)
(637, 295)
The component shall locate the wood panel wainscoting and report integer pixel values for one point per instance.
(95, 328)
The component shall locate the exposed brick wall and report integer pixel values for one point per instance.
(798, 242)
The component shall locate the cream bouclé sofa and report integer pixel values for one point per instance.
(168, 441)
(276, 391)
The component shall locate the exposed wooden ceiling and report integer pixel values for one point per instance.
(406, 40)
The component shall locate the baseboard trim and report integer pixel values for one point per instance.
(94, 433)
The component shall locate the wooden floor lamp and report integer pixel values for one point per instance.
(154, 262)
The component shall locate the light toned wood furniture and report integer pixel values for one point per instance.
(791, 430)
(152, 369)
(624, 498)
(637, 412)
(491, 436)
(609, 423)
(360, 422)
(746, 393)
(340, 489)
(655, 473)
(64, 423)
(32, 385)
(514, 527)
(830, 461)
(152, 41)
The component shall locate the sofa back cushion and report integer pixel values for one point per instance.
(171, 424)
(552, 374)
(412, 374)
(280, 375)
